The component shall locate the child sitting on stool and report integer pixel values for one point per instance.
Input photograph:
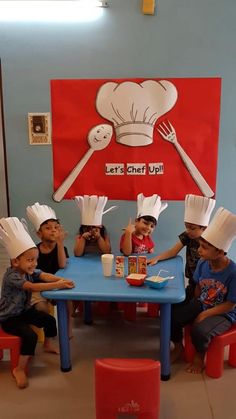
(197, 214)
(16, 313)
(92, 237)
(137, 237)
(213, 309)
(52, 252)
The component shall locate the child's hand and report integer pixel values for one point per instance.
(96, 233)
(86, 235)
(130, 228)
(65, 283)
(201, 316)
(152, 261)
(61, 234)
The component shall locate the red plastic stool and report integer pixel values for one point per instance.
(127, 387)
(13, 343)
(215, 352)
(103, 308)
(130, 311)
(153, 309)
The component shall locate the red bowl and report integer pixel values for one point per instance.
(136, 279)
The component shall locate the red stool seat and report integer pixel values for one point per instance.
(215, 352)
(13, 344)
(127, 387)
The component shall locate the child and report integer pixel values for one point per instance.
(213, 310)
(52, 252)
(92, 236)
(197, 214)
(137, 237)
(16, 313)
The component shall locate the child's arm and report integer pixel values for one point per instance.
(126, 246)
(104, 244)
(222, 308)
(51, 282)
(61, 255)
(80, 244)
(170, 253)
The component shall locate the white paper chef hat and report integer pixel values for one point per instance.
(198, 209)
(91, 209)
(134, 108)
(150, 205)
(14, 237)
(38, 214)
(222, 229)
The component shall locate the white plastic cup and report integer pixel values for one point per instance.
(107, 264)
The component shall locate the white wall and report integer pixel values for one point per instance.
(186, 38)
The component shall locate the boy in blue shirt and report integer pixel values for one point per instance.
(20, 280)
(213, 308)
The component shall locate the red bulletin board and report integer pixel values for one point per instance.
(121, 171)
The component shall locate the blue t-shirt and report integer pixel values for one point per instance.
(14, 299)
(216, 287)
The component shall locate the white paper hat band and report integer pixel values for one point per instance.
(92, 209)
(14, 237)
(150, 206)
(38, 214)
(222, 230)
(137, 134)
(198, 210)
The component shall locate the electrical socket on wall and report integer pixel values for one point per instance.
(39, 125)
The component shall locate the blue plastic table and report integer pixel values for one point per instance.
(91, 285)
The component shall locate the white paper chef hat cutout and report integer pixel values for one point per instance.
(134, 108)
(222, 229)
(14, 237)
(198, 209)
(91, 208)
(150, 205)
(38, 214)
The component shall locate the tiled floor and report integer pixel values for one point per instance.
(56, 395)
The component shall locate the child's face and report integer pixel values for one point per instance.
(49, 231)
(27, 262)
(208, 252)
(144, 227)
(194, 231)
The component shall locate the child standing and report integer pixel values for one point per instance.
(197, 214)
(137, 237)
(213, 309)
(92, 237)
(16, 313)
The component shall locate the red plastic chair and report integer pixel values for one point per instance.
(127, 387)
(215, 352)
(153, 309)
(13, 344)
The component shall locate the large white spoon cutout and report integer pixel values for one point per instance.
(98, 138)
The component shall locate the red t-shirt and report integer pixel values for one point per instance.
(144, 245)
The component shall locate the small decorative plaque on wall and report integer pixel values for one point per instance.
(39, 128)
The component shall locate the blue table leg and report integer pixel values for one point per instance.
(165, 341)
(62, 316)
(88, 317)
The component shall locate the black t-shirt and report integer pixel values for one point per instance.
(192, 256)
(48, 262)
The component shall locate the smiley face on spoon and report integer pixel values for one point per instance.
(100, 136)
